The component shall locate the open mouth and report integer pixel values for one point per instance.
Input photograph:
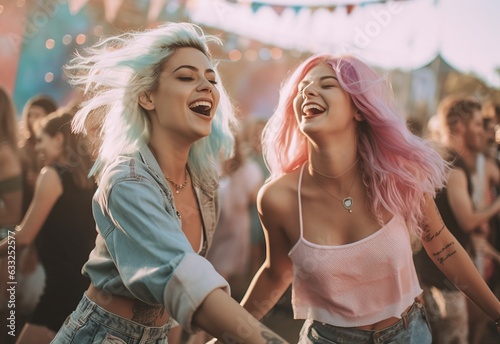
(201, 107)
(313, 109)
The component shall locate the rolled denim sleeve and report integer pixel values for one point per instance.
(152, 255)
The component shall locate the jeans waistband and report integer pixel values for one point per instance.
(366, 336)
(89, 310)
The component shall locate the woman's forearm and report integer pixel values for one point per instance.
(264, 292)
(225, 319)
(459, 269)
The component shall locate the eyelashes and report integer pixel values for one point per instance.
(188, 78)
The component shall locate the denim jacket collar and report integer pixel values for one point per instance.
(208, 202)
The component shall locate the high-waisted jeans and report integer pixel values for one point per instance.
(90, 324)
(412, 328)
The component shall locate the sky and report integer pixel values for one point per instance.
(403, 34)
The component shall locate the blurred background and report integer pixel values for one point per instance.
(428, 48)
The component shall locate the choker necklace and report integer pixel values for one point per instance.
(178, 187)
(347, 202)
(338, 175)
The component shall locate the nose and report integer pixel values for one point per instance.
(308, 91)
(206, 86)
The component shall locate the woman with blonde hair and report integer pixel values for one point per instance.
(165, 122)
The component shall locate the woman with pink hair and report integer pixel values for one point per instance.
(350, 194)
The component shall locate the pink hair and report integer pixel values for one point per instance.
(398, 167)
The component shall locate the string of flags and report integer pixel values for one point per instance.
(155, 7)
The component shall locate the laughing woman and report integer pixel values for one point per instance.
(350, 189)
(165, 122)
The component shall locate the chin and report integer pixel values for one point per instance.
(202, 133)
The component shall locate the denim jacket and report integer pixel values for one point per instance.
(141, 251)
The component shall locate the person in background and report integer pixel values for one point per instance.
(166, 120)
(350, 189)
(11, 193)
(11, 181)
(251, 141)
(240, 180)
(462, 137)
(59, 221)
(35, 109)
(485, 178)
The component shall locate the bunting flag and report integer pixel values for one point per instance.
(155, 7)
(111, 8)
(76, 5)
(279, 9)
(255, 6)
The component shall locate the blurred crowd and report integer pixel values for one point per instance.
(27, 148)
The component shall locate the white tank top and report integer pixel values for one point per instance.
(355, 284)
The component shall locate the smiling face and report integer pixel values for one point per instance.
(35, 113)
(321, 103)
(474, 132)
(49, 147)
(185, 100)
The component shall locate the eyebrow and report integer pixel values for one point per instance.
(193, 68)
(328, 77)
(321, 79)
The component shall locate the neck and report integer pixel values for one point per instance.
(459, 146)
(172, 160)
(333, 164)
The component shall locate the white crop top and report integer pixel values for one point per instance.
(355, 284)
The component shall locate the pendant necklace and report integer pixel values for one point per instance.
(347, 202)
(178, 187)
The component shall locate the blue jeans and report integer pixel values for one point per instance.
(90, 324)
(412, 328)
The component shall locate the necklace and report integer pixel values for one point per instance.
(337, 176)
(347, 202)
(178, 187)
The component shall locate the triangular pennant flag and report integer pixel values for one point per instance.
(331, 9)
(313, 9)
(296, 9)
(111, 8)
(278, 9)
(155, 8)
(349, 8)
(76, 5)
(256, 6)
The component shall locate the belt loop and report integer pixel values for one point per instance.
(404, 317)
(145, 335)
(87, 310)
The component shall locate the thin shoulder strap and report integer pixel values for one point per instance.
(299, 187)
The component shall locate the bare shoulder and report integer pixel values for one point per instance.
(277, 196)
(49, 177)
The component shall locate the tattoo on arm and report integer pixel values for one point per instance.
(271, 338)
(428, 237)
(146, 314)
(450, 248)
(442, 260)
